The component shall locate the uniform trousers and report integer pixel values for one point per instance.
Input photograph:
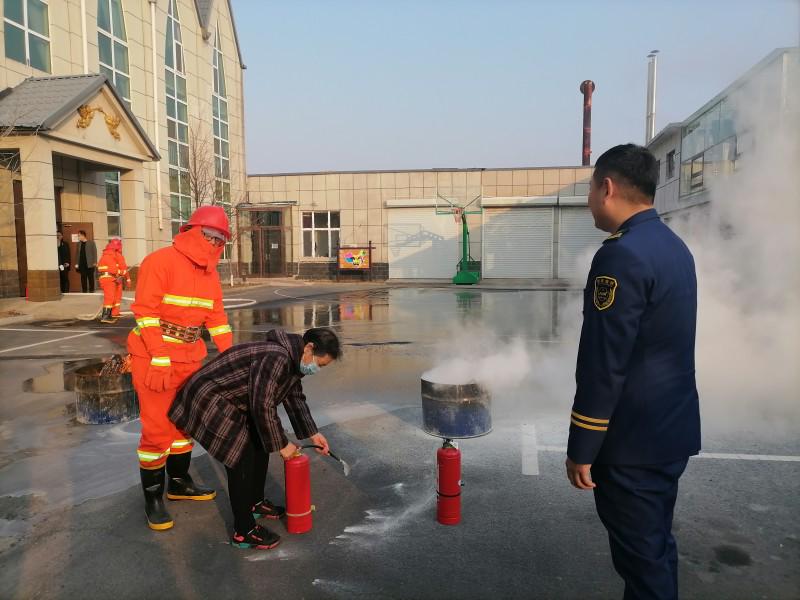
(635, 504)
(112, 294)
(159, 437)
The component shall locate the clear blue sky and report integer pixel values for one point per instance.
(390, 84)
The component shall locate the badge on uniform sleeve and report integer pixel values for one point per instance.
(604, 290)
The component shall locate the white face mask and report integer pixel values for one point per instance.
(311, 368)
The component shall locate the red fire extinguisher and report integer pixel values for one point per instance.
(448, 484)
(297, 479)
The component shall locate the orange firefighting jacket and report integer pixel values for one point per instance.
(112, 264)
(180, 285)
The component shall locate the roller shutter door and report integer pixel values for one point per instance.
(422, 244)
(518, 243)
(578, 240)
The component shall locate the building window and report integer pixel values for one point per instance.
(27, 32)
(177, 122)
(658, 172)
(112, 43)
(219, 110)
(670, 164)
(320, 234)
(112, 204)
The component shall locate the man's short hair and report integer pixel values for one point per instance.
(82, 232)
(325, 342)
(629, 164)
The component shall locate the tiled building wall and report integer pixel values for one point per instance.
(361, 200)
(66, 51)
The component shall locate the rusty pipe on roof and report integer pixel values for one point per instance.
(587, 87)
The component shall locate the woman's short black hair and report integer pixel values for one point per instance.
(325, 342)
(629, 164)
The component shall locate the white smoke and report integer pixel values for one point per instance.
(747, 251)
(499, 366)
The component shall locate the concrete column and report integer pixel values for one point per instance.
(132, 215)
(40, 221)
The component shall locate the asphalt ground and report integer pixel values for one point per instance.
(71, 515)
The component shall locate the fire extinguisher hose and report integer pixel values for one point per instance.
(345, 466)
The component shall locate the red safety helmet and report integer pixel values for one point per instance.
(209, 216)
(115, 244)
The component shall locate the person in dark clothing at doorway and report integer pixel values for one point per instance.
(87, 261)
(230, 407)
(64, 260)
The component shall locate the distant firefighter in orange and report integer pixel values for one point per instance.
(177, 293)
(113, 274)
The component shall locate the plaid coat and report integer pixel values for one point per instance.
(245, 384)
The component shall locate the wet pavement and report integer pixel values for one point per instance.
(72, 524)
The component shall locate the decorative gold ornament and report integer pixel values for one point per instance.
(86, 113)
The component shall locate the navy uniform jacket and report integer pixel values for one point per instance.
(636, 401)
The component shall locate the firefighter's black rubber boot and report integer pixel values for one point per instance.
(153, 485)
(180, 485)
(258, 537)
(267, 510)
(106, 316)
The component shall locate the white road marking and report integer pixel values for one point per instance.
(50, 331)
(711, 455)
(69, 337)
(530, 450)
(242, 302)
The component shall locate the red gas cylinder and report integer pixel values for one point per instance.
(448, 485)
(297, 479)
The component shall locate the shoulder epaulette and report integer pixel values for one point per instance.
(614, 236)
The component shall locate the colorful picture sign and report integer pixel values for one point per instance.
(354, 258)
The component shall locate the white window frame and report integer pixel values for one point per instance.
(29, 32)
(313, 229)
(115, 40)
(110, 213)
(177, 71)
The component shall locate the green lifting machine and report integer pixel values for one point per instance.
(468, 271)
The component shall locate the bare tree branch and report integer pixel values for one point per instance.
(201, 166)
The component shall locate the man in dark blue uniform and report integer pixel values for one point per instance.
(635, 420)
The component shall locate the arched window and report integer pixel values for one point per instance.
(219, 109)
(112, 43)
(177, 122)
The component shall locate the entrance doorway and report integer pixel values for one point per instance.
(262, 239)
(70, 233)
(19, 232)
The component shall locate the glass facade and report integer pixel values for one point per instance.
(708, 147)
(112, 43)
(177, 122)
(27, 32)
(113, 204)
(219, 110)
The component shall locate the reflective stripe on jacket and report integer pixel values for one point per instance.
(179, 284)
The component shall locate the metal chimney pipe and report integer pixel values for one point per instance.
(587, 87)
(650, 114)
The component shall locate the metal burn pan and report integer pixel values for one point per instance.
(456, 411)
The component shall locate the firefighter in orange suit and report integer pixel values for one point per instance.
(113, 272)
(177, 293)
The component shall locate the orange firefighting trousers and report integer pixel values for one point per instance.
(160, 437)
(112, 294)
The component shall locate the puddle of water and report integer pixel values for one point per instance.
(58, 377)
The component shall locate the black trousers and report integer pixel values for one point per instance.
(246, 483)
(87, 280)
(63, 278)
(636, 503)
